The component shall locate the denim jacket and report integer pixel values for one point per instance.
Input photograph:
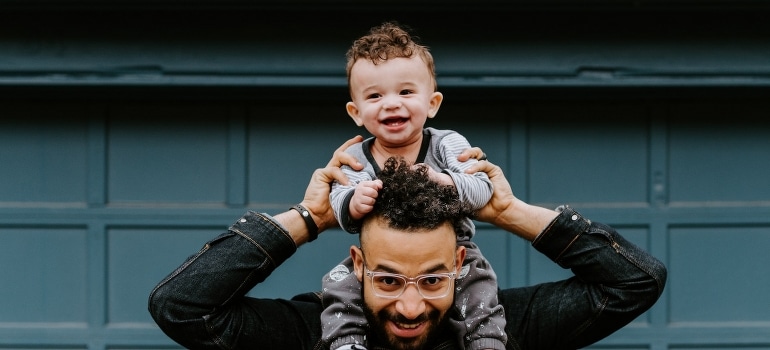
(202, 303)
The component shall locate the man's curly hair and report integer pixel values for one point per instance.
(387, 41)
(409, 200)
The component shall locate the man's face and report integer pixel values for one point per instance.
(406, 322)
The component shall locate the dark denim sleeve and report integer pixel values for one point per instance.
(615, 281)
(202, 304)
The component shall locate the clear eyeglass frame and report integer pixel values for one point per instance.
(405, 281)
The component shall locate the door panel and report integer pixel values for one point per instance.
(99, 200)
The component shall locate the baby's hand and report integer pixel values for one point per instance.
(363, 198)
(436, 176)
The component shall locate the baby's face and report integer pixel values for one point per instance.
(393, 99)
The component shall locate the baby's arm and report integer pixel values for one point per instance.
(363, 198)
(441, 178)
(341, 198)
(476, 188)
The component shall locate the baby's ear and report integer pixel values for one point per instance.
(353, 112)
(435, 103)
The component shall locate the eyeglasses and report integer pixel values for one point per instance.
(392, 285)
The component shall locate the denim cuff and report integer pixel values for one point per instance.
(267, 235)
(561, 233)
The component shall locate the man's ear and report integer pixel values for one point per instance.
(459, 258)
(357, 255)
(435, 103)
(353, 112)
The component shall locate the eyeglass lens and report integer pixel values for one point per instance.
(392, 285)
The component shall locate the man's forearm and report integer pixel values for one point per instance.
(616, 281)
(217, 278)
(295, 225)
(525, 220)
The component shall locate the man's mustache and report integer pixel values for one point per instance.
(398, 318)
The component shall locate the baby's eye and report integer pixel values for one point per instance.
(406, 92)
(372, 96)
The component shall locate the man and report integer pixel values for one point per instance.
(404, 266)
(412, 217)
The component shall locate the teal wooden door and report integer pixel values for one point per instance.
(133, 131)
(99, 200)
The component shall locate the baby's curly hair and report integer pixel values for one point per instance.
(409, 200)
(387, 41)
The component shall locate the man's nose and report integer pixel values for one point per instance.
(411, 304)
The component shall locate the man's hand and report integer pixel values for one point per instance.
(340, 158)
(317, 193)
(502, 196)
(504, 210)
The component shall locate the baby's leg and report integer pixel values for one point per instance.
(482, 318)
(343, 322)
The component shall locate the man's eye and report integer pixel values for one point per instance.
(389, 281)
(431, 280)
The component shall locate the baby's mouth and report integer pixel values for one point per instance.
(394, 121)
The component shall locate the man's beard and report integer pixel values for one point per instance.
(377, 326)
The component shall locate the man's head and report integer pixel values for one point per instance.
(392, 83)
(410, 232)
